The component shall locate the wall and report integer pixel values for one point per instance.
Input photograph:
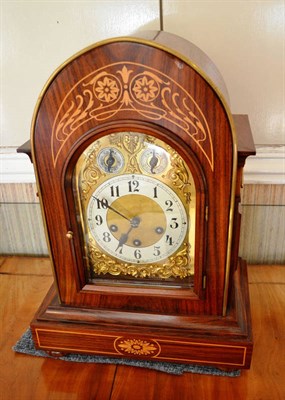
(38, 36)
(245, 39)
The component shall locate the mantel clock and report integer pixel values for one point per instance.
(139, 165)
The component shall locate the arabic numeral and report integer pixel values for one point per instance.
(174, 224)
(156, 251)
(133, 186)
(99, 220)
(120, 249)
(155, 192)
(169, 204)
(137, 254)
(169, 240)
(103, 203)
(106, 237)
(114, 191)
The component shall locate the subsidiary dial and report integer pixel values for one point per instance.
(110, 160)
(137, 219)
(154, 160)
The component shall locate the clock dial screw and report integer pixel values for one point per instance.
(113, 228)
(137, 242)
(159, 230)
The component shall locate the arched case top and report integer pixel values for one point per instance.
(162, 86)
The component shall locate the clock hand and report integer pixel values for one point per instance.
(153, 162)
(113, 209)
(124, 237)
(118, 212)
(110, 161)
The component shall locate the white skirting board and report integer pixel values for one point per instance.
(15, 167)
(267, 166)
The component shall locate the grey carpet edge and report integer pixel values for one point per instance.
(25, 345)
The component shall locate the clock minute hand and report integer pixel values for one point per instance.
(118, 212)
(113, 209)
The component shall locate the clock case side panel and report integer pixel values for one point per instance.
(204, 66)
(137, 291)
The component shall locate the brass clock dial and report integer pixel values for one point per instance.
(137, 219)
(136, 201)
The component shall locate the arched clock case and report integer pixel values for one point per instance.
(139, 164)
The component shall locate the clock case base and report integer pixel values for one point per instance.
(222, 342)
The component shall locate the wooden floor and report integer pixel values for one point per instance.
(24, 283)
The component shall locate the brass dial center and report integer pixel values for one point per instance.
(145, 216)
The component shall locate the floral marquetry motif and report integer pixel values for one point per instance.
(117, 88)
(137, 347)
(106, 90)
(145, 88)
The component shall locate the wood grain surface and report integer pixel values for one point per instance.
(25, 281)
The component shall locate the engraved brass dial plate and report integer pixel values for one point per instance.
(136, 201)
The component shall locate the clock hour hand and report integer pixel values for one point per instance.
(124, 237)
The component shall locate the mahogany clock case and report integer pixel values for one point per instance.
(145, 90)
